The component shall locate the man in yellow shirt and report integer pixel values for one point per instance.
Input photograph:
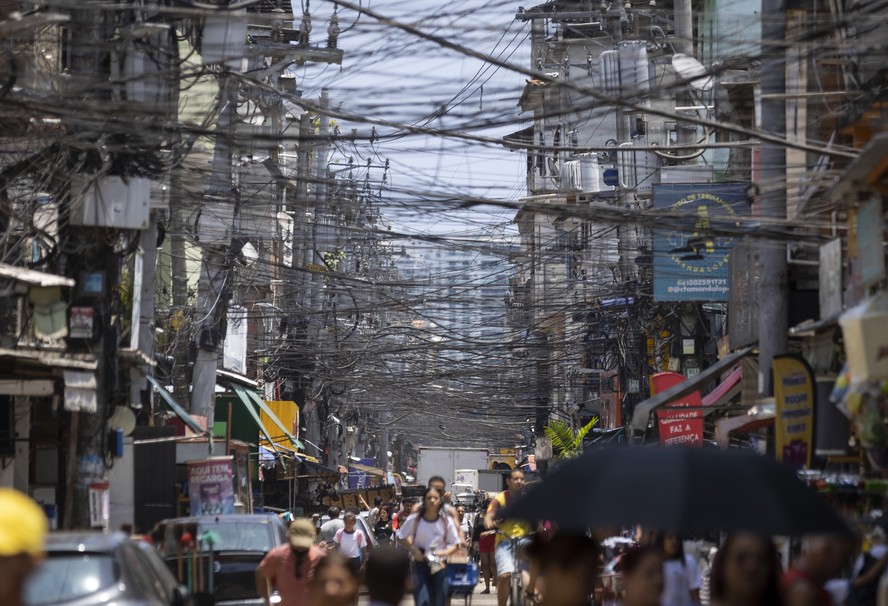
(512, 532)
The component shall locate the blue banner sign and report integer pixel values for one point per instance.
(690, 260)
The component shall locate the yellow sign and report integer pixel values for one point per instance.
(288, 413)
(502, 461)
(794, 399)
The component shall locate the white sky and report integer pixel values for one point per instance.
(389, 74)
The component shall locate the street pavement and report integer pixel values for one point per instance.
(478, 598)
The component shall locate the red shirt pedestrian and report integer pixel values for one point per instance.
(289, 568)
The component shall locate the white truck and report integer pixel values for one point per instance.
(444, 462)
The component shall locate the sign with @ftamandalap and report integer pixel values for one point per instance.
(693, 238)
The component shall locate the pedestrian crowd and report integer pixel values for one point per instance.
(327, 558)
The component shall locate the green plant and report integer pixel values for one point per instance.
(567, 443)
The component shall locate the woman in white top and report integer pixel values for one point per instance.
(681, 574)
(430, 537)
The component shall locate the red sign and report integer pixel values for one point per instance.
(678, 427)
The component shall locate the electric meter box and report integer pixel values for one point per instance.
(111, 202)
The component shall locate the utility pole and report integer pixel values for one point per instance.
(683, 41)
(321, 217)
(85, 456)
(215, 271)
(143, 324)
(179, 282)
(303, 258)
(773, 297)
(384, 444)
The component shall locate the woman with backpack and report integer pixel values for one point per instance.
(430, 537)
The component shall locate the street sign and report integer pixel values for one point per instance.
(611, 177)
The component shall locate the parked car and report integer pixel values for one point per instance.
(90, 568)
(242, 540)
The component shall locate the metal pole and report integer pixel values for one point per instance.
(228, 433)
(683, 42)
(773, 306)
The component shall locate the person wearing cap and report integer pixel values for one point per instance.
(288, 568)
(23, 528)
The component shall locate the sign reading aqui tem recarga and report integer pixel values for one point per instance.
(211, 486)
(691, 246)
(795, 403)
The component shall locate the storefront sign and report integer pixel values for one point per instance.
(359, 479)
(690, 260)
(794, 399)
(678, 427)
(82, 322)
(99, 504)
(211, 486)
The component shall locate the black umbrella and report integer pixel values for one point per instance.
(686, 490)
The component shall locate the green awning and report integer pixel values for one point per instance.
(192, 424)
(242, 395)
(264, 408)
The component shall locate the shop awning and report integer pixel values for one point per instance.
(756, 419)
(317, 468)
(33, 277)
(644, 409)
(726, 390)
(248, 404)
(167, 397)
(51, 359)
(267, 410)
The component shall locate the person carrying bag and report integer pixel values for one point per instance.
(431, 538)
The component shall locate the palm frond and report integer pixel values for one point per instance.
(581, 433)
(560, 434)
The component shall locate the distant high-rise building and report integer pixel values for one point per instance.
(459, 292)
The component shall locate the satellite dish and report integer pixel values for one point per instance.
(692, 70)
(123, 419)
